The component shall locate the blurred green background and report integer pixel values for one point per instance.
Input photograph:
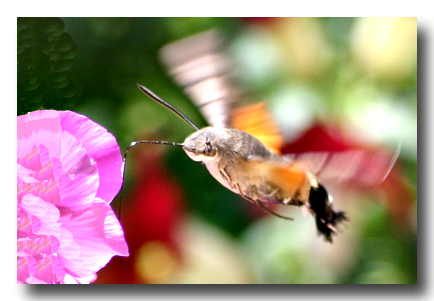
(184, 227)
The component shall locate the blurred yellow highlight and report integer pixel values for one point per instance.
(155, 262)
(386, 47)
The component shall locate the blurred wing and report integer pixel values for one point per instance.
(198, 65)
(290, 178)
(360, 166)
(256, 120)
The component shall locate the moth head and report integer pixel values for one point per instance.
(202, 145)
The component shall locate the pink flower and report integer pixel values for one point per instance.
(69, 170)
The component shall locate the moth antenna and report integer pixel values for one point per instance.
(125, 164)
(154, 97)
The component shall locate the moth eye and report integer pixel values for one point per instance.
(209, 150)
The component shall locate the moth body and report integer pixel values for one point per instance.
(241, 163)
(247, 163)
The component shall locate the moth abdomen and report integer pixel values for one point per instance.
(326, 218)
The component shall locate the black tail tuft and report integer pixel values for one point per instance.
(326, 218)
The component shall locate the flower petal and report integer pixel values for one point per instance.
(101, 147)
(47, 214)
(75, 280)
(26, 266)
(102, 239)
(78, 181)
(36, 128)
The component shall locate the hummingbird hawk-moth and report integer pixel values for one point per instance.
(240, 148)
